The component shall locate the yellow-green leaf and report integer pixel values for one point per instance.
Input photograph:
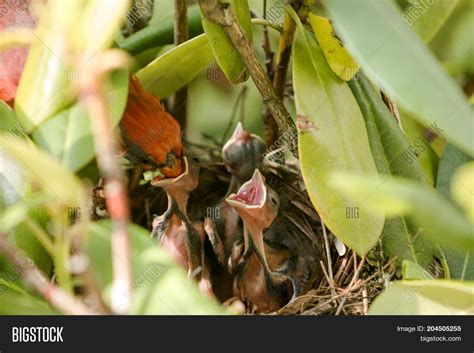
(336, 55)
(462, 189)
(43, 170)
(226, 55)
(69, 34)
(177, 67)
(394, 56)
(430, 297)
(332, 136)
(394, 196)
(426, 18)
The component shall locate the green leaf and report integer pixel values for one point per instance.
(160, 32)
(176, 68)
(336, 55)
(14, 302)
(453, 44)
(68, 136)
(43, 170)
(411, 270)
(389, 147)
(462, 189)
(419, 147)
(66, 32)
(430, 297)
(332, 136)
(160, 286)
(226, 55)
(7, 118)
(427, 18)
(394, 56)
(395, 196)
(460, 263)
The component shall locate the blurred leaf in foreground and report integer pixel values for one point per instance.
(430, 297)
(396, 58)
(160, 286)
(440, 220)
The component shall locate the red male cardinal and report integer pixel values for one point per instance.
(151, 136)
(13, 14)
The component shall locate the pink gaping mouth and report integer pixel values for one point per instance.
(252, 193)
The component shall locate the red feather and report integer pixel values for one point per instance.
(12, 61)
(151, 135)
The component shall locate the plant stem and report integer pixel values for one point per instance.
(266, 23)
(224, 17)
(40, 235)
(181, 35)
(54, 295)
(93, 97)
(284, 48)
(270, 127)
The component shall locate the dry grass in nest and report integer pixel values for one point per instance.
(349, 291)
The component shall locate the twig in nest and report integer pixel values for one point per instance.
(53, 294)
(328, 256)
(93, 97)
(355, 276)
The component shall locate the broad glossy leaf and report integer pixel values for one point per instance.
(177, 67)
(427, 18)
(395, 196)
(459, 263)
(332, 136)
(43, 170)
(226, 55)
(389, 148)
(394, 56)
(68, 136)
(160, 286)
(430, 297)
(336, 55)
(67, 31)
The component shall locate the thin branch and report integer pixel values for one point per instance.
(223, 16)
(93, 96)
(181, 35)
(266, 23)
(53, 294)
(284, 49)
(270, 127)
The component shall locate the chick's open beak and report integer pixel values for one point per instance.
(250, 202)
(240, 135)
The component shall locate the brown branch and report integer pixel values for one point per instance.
(93, 97)
(220, 14)
(181, 35)
(56, 296)
(270, 127)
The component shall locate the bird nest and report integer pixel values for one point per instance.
(349, 283)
